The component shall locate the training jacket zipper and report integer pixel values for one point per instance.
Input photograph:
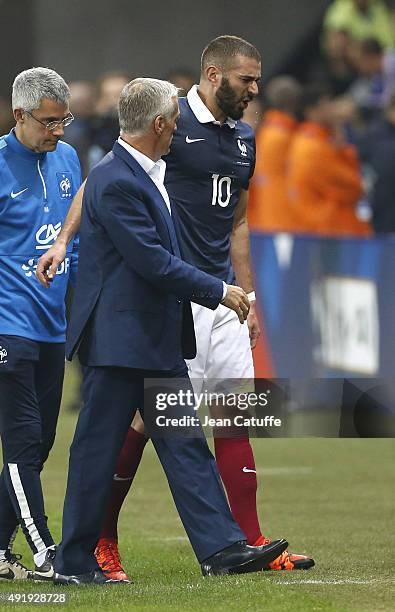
(46, 209)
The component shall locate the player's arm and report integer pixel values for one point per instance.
(241, 261)
(49, 262)
(132, 230)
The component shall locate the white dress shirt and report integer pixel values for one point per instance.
(155, 170)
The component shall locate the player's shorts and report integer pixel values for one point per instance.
(223, 347)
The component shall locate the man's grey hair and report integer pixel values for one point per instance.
(32, 86)
(141, 101)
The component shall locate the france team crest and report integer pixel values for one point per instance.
(65, 184)
(242, 147)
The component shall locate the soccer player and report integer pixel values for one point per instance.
(209, 166)
(39, 178)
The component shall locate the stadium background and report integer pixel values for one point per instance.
(82, 39)
(332, 498)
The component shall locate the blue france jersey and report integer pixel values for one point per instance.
(36, 190)
(207, 167)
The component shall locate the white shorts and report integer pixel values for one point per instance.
(223, 346)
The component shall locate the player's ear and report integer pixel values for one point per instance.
(213, 74)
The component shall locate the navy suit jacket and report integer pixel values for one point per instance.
(132, 300)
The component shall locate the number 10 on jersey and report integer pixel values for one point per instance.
(221, 190)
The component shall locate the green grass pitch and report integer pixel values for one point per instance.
(331, 498)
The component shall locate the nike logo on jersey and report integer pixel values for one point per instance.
(120, 479)
(189, 140)
(246, 470)
(18, 193)
(9, 575)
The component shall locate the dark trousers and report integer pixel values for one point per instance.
(111, 396)
(31, 382)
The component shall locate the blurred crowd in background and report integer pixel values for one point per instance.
(326, 142)
(325, 128)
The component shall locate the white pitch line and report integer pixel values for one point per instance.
(171, 539)
(284, 471)
(334, 582)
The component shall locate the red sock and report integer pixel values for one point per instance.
(128, 462)
(233, 455)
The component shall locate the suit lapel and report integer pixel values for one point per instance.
(153, 191)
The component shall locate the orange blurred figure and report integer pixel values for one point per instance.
(324, 179)
(268, 205)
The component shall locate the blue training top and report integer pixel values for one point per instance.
(207, 167)
(36, 190)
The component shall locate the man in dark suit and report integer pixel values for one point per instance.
(132, 320)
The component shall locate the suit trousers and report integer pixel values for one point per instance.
(111, 396)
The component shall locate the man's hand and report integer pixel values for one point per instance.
(49, 262)
(236, 299)
(253, 326)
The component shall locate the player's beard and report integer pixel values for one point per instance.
(228, 101)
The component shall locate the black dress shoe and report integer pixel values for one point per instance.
(90, 578)
(241, 558)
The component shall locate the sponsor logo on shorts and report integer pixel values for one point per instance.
(3, 355)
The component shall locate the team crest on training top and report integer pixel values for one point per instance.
(65, 185)
(243, 147)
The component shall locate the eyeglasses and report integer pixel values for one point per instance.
(52, 125)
